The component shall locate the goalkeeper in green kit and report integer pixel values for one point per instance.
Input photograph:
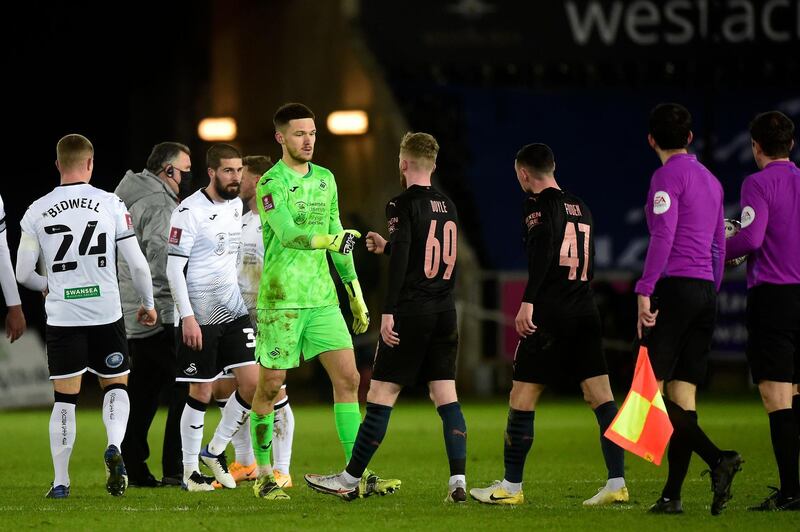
(298, 311)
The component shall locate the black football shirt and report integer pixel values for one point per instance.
(559, 238)
(423, 244)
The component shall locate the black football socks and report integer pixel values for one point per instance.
(518, 441)
(370, 435)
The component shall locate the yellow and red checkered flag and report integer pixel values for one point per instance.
(642, 425)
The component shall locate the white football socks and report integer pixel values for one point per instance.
(615, 484)
(191, 435)
(242, 444)
(348, 480)
(116, 408)
(62, 439)
(236, 411)
(283, 436)
(241, 441)
(455, 479)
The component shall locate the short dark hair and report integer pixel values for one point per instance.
(537, 157)
(670, 125)
(164, 154)
(217, 152)
(774, 132)
(257, 164)
(290, 111)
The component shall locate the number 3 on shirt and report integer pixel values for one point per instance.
(569, 250)
(436, 252)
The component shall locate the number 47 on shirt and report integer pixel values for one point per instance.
(569, 256)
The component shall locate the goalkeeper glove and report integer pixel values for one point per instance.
(357, 306)
(342, 242)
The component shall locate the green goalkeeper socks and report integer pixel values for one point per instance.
(348, 418)
(261, 433)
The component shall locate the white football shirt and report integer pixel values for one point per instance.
(77, 226)
(250, 261)
(2, 215)
(8, 283)
(208, 234)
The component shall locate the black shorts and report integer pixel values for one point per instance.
(773, 332)
(101, 349)
(562, 349)
(680, 342)
(225, 346)
(427, 351)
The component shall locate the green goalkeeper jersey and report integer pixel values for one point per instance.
(293, 208)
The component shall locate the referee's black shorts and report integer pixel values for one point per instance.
(773, 332)
(680, 342)
(563, 349)
(427, 351)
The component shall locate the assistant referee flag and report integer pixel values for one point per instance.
(642, 425)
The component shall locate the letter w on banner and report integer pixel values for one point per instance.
(642, 425)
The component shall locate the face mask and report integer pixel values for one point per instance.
(185, 186)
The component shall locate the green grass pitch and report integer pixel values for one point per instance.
(564, 467)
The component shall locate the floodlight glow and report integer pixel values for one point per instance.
(353, 122)
(217, 129)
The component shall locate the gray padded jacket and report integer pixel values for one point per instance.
(150, 202)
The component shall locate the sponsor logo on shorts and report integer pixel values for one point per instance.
(748, 216)
(267, 203)
(175, 235)
(82, 292)
(191, 370)
(275, 353)
(661, 202)
(114, 360)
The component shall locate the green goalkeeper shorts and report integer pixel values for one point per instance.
(285, 334)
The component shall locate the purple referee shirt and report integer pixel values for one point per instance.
(687, 229)
(770, 225)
